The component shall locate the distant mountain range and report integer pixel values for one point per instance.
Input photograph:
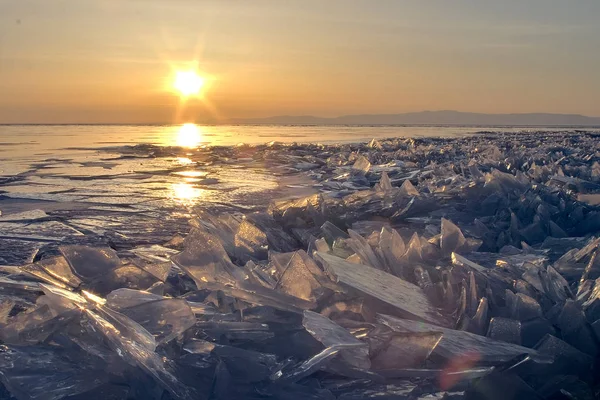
(432, 118)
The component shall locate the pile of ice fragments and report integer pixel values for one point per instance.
(413, 274)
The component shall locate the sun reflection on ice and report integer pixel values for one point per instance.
(189, 135)
(185, 192)
(184, 161)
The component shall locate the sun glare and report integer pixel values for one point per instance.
(188, 83)
(189, 136)
(185, 192)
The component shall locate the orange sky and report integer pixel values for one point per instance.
(111, 61)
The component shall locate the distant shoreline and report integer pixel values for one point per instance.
(309, 125)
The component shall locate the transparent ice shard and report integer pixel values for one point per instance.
(250, 242)
(384, 185)
(364, 250)
(452, 237)
(44, 373)
(567, 359)
(407, 299)
(60, 300)
(407, 189)
(165, 319)
(533, 330)
(136, 353)
(309, 366)
(58, 268)
(459, 260)
(302, 278)
(279, 262)
(154, 253)
(332, 233)
(330, 334)
(361, 165)
(479, 322)
(321, 245)
(204, 259)
(277, 238)
(355, 309)
(574, 328)
(17, 328)
(526, 308)
(455, 344)
(244, 365)
(505, 329)
(406, 350)
(159, 270)
(90, 262)
(392, 249)
(128, 276)
(37, 272)
(224, 226)
(260, 295)
(125, 298)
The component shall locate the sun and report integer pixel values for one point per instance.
(188, 83)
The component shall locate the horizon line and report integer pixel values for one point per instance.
(239, 120)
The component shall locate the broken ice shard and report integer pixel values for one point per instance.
(362, 165)
(250, 242)
(331, 334)
(455, 344)
(452, 237)
(384, 185)
(361, 247)
(44, 372)
(204, 259)
(405, 298)
(302, 278)
(125, 298)
(90, 262)
(245, 365)
(406, 350)
(165, 319)
(505, 329)
(135, 353)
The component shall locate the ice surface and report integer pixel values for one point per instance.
(25, 216)
(142, 307)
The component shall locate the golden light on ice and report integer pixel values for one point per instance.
(188, 83)
(189, 135)
(186, 192)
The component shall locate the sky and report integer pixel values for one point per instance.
(113, 61)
